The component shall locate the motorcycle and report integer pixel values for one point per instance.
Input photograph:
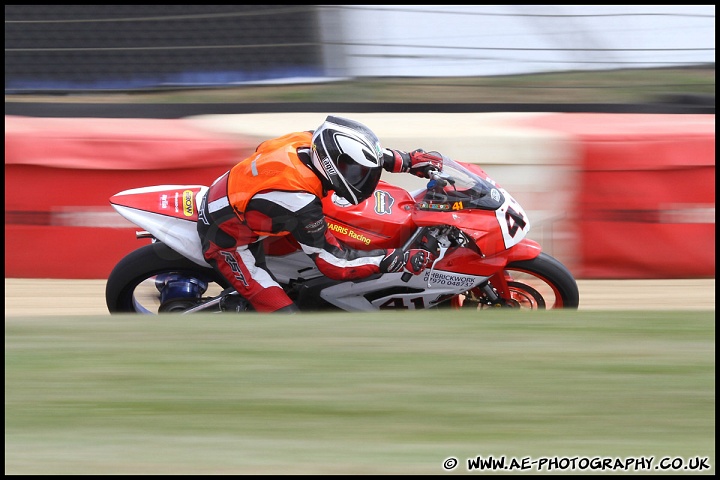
(477, 230)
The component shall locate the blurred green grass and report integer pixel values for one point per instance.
(378, 393)
(604, 86)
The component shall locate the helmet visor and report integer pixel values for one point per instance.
(362, 178)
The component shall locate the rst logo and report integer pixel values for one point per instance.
(188, 201)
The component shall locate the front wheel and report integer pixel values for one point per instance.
(537, 284)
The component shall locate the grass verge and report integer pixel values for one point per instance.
(354, 393)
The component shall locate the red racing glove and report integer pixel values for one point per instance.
(414, 261)
(418, 162)
(422, 163)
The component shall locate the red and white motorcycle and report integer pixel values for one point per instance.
(484, 258)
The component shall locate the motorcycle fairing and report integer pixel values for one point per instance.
(421, 291)
(469, 262)
(463, 197)
(381, 221)
(177, 201)
(168, 212)
(428, 289)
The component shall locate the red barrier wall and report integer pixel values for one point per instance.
(60, 173)
(646, 207)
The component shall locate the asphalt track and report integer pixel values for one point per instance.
(47, 297)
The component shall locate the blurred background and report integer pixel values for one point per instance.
(455, 52)
(598, 119)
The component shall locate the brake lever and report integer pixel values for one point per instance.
(443, 250)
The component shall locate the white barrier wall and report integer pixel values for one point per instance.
(483, 40)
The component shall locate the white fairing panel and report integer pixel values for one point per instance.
(513, 220)
(180, 235)
(429, 289)
(294, 266)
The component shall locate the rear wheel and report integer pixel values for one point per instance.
(537, 284)
(155, 279)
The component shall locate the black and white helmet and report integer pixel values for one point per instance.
(349, 157)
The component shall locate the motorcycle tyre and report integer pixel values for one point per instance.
(555, 274)
(144, 263)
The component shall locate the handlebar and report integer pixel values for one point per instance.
(440, 179)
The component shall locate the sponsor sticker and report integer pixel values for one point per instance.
(328, 166)
(348, 232)
(383, 202)
(433, 206)
(188, 203)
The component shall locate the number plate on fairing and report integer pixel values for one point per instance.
(513, 221)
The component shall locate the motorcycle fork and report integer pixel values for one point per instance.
(496, 289)
(493, 293)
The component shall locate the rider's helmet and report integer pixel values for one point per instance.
(348, 156)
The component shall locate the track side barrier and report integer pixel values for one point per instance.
(61, 172)
(646, 206)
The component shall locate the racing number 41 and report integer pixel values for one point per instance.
(514, 220)
(395, 303)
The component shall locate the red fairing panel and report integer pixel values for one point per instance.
(382, 221)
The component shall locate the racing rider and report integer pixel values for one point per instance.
(278, 190)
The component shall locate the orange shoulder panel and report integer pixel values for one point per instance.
(274, 166)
